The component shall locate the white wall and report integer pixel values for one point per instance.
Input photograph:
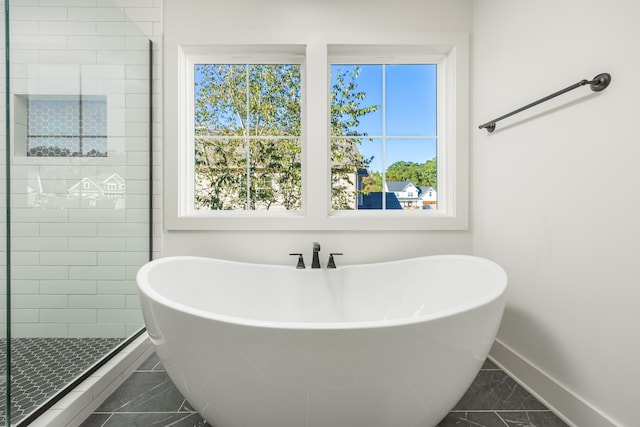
(186, 19)
(556, 200)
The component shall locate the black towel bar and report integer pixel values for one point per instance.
(599, 83)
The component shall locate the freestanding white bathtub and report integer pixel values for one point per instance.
(393, 344)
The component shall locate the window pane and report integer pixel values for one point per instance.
(391, 172)
(370, 179)
(356, 97)
(260, 105)
(411, 175)
(274, 99)
(271, 180)
(220, 99)
(274, 175)
(411, 100)
(349, 161)
(220, 175)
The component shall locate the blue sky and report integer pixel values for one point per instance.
(410, 111)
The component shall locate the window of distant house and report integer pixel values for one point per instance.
(63, 125)
(384, 135)
(247, 135)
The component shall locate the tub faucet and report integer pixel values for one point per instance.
(315, 263)
(300, 264)
(332, 262)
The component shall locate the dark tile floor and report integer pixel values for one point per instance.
(40, 367)
(149, 398)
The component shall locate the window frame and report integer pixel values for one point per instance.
(317, 50)
(249, 58)
(378, 55)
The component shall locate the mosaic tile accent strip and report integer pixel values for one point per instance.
(43, 366)
(148, 397)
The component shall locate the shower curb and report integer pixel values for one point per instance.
(79, 403)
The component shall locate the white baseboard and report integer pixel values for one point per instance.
(78, 404)
(572, 409)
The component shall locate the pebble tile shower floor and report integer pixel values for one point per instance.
(149, 398)
(42, 366)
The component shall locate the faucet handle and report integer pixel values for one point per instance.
(316, 247)
(300, 264)
(332, 263)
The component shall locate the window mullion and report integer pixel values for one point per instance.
(384, 135)
(317, 136)
(246, 138)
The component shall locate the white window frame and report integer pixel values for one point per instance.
(450, 49)
(379, 55)
(188, 156)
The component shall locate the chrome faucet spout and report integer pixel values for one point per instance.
(315, 263)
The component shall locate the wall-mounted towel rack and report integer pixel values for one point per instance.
(599, 83)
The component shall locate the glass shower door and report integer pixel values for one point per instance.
(79, 209)
(4, 347)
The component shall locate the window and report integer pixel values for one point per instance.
(64, 125)
(383, 134)
(367, 134)
(247, 136)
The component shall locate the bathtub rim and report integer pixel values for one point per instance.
(147, 291)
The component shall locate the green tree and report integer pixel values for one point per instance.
(247, 129)
(421, 174)
(247, 136)
(346, 110)
(372, 183)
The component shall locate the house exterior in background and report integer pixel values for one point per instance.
(428, 198)
(400, 195)
(411, 196)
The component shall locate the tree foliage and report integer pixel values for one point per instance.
(421, 174)
(247, 126)
(372, 183)
(346, 110)
(248, 136)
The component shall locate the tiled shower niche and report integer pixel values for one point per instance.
(62, 125)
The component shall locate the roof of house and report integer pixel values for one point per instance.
(425, 190)
(373, 200)
(398, 185)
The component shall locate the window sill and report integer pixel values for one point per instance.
(355, 221)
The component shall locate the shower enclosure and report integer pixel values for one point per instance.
(76, 193)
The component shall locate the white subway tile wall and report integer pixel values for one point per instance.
(80, 224)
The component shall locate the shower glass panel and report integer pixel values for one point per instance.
(3, 221)
(78, 215)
